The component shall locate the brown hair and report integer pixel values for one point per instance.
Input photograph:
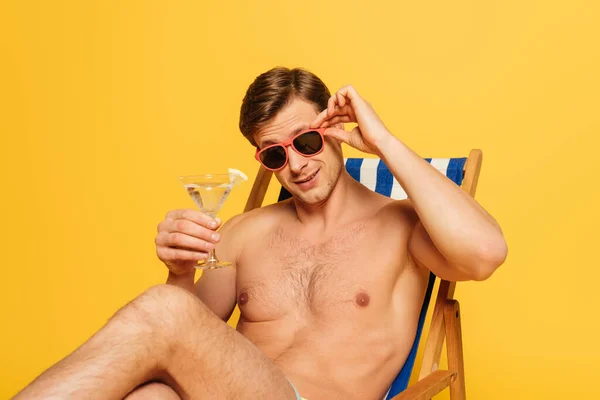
(273, 90)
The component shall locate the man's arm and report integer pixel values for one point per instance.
(216, 288)
(455, 238)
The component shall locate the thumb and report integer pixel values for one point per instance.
(337, 133)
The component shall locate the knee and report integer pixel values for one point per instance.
(153, 391)
(165, 306)
(169, 298)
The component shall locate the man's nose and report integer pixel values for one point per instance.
(296, 161)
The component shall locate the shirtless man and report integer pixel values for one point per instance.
(329, 283)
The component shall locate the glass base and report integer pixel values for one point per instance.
(212, 264)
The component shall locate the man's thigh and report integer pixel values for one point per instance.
(209, 359)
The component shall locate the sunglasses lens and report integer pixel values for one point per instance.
(308, 143)
(273, 157)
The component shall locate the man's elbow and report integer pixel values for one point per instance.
(490, 258)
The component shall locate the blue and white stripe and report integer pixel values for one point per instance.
(375, 175)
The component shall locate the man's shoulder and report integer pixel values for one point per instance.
(399, 211)
(386, 207)
(259, 219)
(247, 227)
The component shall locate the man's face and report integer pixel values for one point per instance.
(309, 179)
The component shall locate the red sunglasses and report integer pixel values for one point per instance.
(307, 143)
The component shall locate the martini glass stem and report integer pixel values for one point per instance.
(211, 257)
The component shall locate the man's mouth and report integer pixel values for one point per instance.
(308, 178)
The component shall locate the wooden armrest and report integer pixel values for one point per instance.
(259, 189)
(427, 387)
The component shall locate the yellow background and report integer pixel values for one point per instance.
(104, 103)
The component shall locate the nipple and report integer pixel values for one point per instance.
(243, 299)
(362, 299)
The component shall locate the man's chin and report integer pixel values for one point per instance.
(311, 198)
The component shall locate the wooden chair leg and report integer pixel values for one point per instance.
(435, 338)
(433, 348)
(455, 349)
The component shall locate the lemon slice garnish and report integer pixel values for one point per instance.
(236, 176)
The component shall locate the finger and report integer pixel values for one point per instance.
(337, 119)
(194, 216)
(352, 96)
(341, 99)
(319, 119)
(325, 115)
(183, 242)
(338, 134)
(346, 110)
(331, 103)
(192, 229)
(167, 254)
(350, 93)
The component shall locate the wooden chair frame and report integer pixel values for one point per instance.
(445, 321)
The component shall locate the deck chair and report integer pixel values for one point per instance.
(445, 320)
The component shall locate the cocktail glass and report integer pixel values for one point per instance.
(209, 192)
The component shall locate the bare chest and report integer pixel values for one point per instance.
(288, 274)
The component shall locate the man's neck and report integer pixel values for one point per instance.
(334, 211)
